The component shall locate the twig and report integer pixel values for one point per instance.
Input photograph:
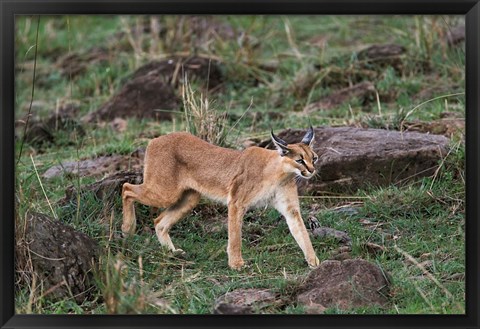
(427, 101)
(425, 272)
(44, 257)
(425, 298)
(440, 167)
(32, 95)
(297, 53)
(333, 197)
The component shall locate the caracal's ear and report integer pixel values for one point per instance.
(309, 137)
(280, 144)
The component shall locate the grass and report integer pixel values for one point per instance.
(422, 220)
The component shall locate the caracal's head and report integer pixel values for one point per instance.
(298, 158)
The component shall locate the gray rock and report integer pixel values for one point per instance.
(345, 284)
(97, 166)
(62, 258)
(352, 158)
(244, 301)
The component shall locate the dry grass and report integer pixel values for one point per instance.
(201, 118)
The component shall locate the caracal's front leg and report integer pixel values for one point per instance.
(234, 248)
(286, 202)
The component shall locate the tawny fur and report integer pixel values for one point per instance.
(180, 168)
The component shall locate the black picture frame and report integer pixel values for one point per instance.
(8, 10)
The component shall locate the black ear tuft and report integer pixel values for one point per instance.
(280, 144)
(309, 136)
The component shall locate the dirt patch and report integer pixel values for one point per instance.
(204, 29)
(364, 92)
(188, 32)
(98, 166)
(73, 64)
(352, 158)
(245, 300)
(344, 284)
(151, 91)
(146, 96)
(435, 90)
(62, 258)
(202, 69)
(60, 127)
(369, 64)
(382, 55)
(447, 127)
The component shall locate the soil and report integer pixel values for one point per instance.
(173, 69)
(146, 96)
(151, 91)
(364, 92)
(45, 132)
(74, 64)
(447, 127)
(369, 65)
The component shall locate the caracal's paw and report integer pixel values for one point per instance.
(126, 231)
(236, 264)
(313, 263)
(179, 253)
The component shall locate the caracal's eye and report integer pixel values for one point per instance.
(315, 159)
(300, 161)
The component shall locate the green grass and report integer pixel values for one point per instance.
(425, 219)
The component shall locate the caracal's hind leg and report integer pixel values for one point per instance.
(172, 215)
(130, 194)
(141, 193)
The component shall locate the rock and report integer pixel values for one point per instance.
(119, 124)
(348, 211)
(364, 92)
(456, 35)
(225, 308)
(62, 258)
(245, 300)
(345, 284)
(314, 308)
(373, 248)
(106, 189)
(322, 232)
(97, 166)
(342, 256)
(381, 52)
(382, 56)
(352, 158)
